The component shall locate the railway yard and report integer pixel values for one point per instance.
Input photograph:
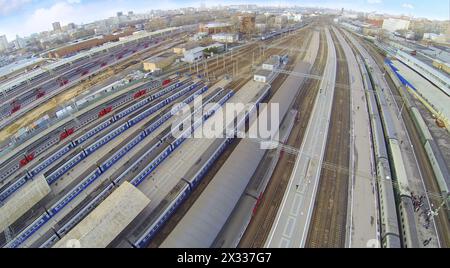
(127, 159)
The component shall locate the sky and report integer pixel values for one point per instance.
(24, 17)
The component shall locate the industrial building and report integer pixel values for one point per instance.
(271, 63)
(159, 63)
(199, 36)
(86, 44)
(430, 73)
(216, 46)
(225, 37)
(14, 69)
(262, 76)
(181, 49)
(393, 25)
(193, 55)
(216, 27)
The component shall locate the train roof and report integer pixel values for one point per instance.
(399, 167)
(444, 181)
(423, 126)
(23, 200)
(203, 222)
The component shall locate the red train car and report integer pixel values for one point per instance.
(140, 93)
(105, 111)
(15, 108)
(27, 159)
(66, 133)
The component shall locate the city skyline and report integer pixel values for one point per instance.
(25, 17)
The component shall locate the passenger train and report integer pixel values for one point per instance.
(187, 185)
(51, 178)
(390, 166)
(166, 144)
(103, 167)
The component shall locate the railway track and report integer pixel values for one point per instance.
(49, 105)
(240, 81)
(442, 222)
(261, 223)
(138, 128)
(238, 64)
(328, 222)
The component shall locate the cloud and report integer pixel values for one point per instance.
(64, 12)
(409, 6)
(8, 6)
(374, 2)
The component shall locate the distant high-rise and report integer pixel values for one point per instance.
(56, 26)
(130, 13)
(119, 14)
(71, 26)
(3, 43)
(19, 43)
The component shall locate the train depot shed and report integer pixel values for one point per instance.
(201, 225)
(110, 218)
(23, 200)
(271, 64)
(159, 63)
(262, 76)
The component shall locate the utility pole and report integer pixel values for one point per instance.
(253, 59)
(401, 110)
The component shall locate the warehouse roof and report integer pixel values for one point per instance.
(109, 219)
(204, 220)
(15, 66)
(272, 61)
(442, 80)
(263, 72)
(215, 45)
(217, 24)
(160, 57)
(23, 200)
(195, 50)
(224, 35)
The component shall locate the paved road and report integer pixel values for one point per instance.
(291, 225)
